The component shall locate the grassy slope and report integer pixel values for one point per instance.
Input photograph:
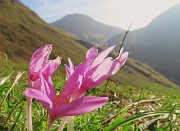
(119, 95)
(22, 32)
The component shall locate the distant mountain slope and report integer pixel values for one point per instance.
(139, 74)
(87, 28)
(158, 44)
(22, 32)
(130, 41)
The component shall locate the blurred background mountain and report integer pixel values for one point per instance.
(87, 28)
(157, 44)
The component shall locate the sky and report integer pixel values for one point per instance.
(118, 13)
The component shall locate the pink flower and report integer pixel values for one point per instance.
(41, 69)
(43, 90)
(96, 68)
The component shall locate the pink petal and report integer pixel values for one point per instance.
(91, 55)
(71, 66)
(80, 69)
(113, 68)
(35, 67)
(81, 106)
(46, 87)
(92, 52)
(101, 56)
(42, 85)
(120, 53)
(35, 84)
(67, 69)
(49, 87)
(38, 84)
(73, 83)
(51, 66)
(40, 57)
(102, 69)
(119, 62)
(45, 101)
(95, 74)
(44, 50)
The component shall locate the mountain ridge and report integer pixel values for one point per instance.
(158, 43)
(86, 28)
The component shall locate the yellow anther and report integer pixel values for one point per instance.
(121, 60)
(58, 97)
(67, 101)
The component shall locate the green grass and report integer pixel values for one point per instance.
(120, 97)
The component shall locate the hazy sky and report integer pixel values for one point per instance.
(113, 12)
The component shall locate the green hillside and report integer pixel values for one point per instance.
(22, 32)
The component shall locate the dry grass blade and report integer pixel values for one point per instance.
(122, 43)
(130, 105)
(4, 79)
(14, 83)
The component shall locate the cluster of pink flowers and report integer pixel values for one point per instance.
(72, 99)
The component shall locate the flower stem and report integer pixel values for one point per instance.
(29, 114)
(70, 123)
(62, 124)
(49, 124)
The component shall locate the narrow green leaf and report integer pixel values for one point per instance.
(120, 42)
(126, 128)
(134, 118)
(120, 117)
(17, 118)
